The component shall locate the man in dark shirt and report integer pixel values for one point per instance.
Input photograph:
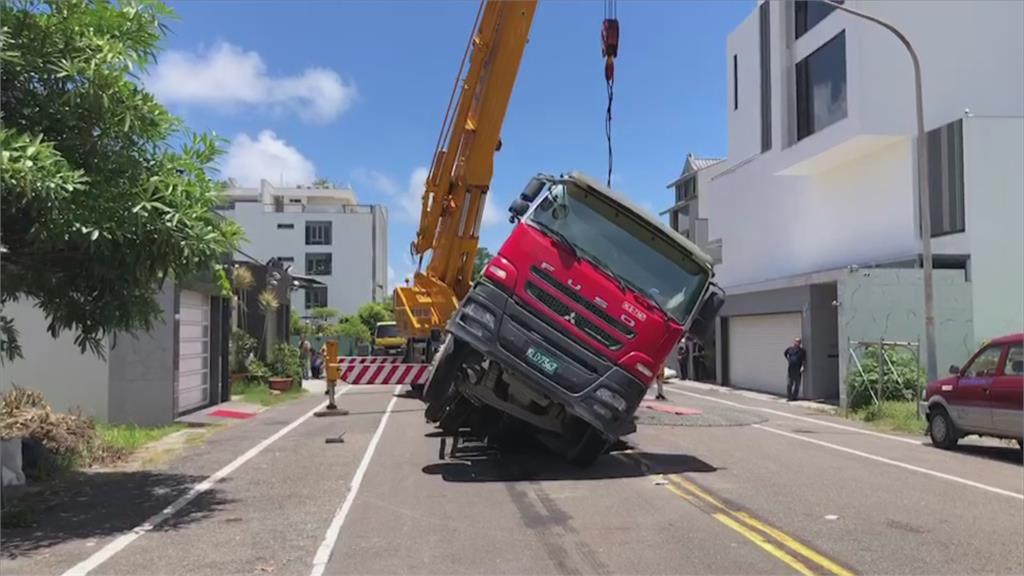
(796, 357)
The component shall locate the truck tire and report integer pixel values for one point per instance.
(437, 394)
(585, 443)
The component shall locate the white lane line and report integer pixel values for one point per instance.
(108, 551)
(795, 417)
(323, 553)
(952, 478)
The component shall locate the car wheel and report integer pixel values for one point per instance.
(941, 429)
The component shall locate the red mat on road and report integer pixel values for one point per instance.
(669, 409)
(223, 413)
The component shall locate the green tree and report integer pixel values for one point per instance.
(483, 256)
(322, 182)
(323, 321)
(373, 312)
(353, 328)
(105, 195)
(297, 325)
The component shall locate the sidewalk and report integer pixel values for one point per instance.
(819, 406)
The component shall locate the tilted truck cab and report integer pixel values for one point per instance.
(572, 319)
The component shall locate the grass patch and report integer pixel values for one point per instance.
(264, 396)
(127, 438)
(892, 416)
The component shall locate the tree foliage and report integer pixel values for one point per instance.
(483, 256)
(373, 312)
(355, 329)
(105, 195)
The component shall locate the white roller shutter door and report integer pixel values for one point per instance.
(755, 347)
(192, 385)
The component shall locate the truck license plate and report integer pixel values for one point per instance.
(541, 360)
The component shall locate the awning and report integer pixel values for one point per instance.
(304, 282)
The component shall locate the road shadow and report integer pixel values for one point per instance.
(99, 504)
(478, 463)
(1008, 454)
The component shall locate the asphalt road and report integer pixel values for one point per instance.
(738, 485)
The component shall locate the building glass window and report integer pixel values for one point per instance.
(821, 87)
(286, 226)
(946, 178)
(735, 82)
(766, 78)
(318, 263)
(318, 233)
(316, 297)
(807, 14)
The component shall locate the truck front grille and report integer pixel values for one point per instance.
(589, 306)
(563, 310)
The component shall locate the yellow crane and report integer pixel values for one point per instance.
(460, 174)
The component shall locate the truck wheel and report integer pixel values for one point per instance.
(586, 443)
(941, 429)
(442, 379)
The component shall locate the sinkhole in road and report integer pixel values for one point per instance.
(667, 414)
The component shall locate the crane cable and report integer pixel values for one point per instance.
(609, 50)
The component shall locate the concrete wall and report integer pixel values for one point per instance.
(888, 303)
(142, 370)
(356, 268)
(745, 121)
(67, 378)
(994, 198)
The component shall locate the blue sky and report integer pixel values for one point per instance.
(356, 91)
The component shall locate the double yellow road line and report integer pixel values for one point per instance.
(796, 555)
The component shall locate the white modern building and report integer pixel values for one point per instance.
(815, 211)
(323, 233)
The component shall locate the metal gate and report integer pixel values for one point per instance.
(192, 378)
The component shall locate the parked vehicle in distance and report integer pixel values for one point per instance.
(387, 341)
(985, 397)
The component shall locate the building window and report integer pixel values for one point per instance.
(766, 78)
(318, 233)
(735, 82)
(318, 263)
(288, 259)
(807, 14)
(946, 178)
(316, 297)
(821, 87)
(690, 188)
(295, 200)
(286, 226)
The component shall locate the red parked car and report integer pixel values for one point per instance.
(985, 397)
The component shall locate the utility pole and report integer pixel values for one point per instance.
(923, 194)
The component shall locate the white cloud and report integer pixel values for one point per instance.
(376, 181)
(411, 202)
(227, 76)
(492, 215)
(269, 157)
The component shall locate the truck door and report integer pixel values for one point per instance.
(1008, 394)
(971, 399)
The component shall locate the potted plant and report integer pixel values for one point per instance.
(285, 367)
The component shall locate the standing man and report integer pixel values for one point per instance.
(796, 358)
(305, 353)
(683, 356)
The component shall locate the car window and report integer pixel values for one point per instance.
(1015, 361)
(985, 364)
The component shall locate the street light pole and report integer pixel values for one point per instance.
(923, 195)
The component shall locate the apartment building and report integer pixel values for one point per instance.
(815, 213)
(323, 233)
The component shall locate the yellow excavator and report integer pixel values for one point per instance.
(460, 175)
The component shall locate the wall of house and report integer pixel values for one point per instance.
(67, 378)
(142, 370)
(358, 245)
(994, 199)
(888, 303)
(744, 122)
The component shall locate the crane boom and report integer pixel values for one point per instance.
(460, 175)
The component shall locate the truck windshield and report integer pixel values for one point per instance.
(621, 243)
(387, 330)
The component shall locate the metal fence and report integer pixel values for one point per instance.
(886, 369)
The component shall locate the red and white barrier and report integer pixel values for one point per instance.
(368, 370)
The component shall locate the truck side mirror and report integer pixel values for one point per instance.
(704, 320)
(533, 189)
(518, 209)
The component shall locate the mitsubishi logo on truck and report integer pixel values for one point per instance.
(570, 318)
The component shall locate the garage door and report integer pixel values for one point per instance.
(192, 386)
(755, 347)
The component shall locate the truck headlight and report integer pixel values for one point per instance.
(480, 314)
(611, 398)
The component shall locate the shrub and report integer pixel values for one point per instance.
(354, 329)
(901, 380)
(285, 363)
(69, 437)
(241, 346)
(258, 374)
